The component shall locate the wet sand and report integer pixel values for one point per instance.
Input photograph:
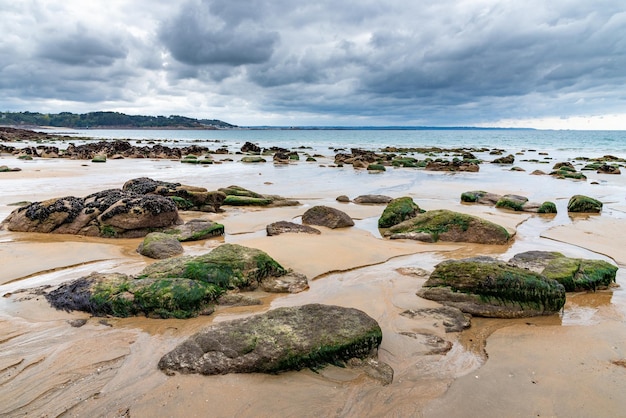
(562, 365)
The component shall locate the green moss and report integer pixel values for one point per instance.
(397, 211)
(547, 207)
(577, 274)
(239, 191)
(584, 204)
(24, 157)
(376, 167)
(473, 196)
(510, 204)
(108, 231)
(246, 201)
(182, 203)
(405, 162)
(213, 231)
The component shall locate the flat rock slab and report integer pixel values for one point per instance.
(282, 339)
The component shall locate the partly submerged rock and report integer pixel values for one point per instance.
(327, 216)
(452, 319)
(483, 286)
(239, 196)
(509, 159)
(375, 199)
(445, 225)
(584, 204)
(159, 245)
(195, 230)
(575, 274)
(398, 210)
(282, 339)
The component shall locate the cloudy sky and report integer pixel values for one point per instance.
(538, 63)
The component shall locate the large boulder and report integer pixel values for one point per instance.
(483, 286)
(109, 213)
(584, 204)
(398, 210)
(186, 197)
(159, 245)
(445, 225)
(282, 339)
(327, 216)
(229, 266)
(575, 274)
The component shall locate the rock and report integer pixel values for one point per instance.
(375, 199)
(547, 207)
(196, 230)
(100, 158)
(279, 340)
(435, 344)
(483, 286)
(237, 299)
(445, 225)
(238, 196)
(457, 165)
(584, 204)
(327, 216)
(6, 169)
(452, 318)
(538, 173)
(398, 210)
(575, 274)
(376, 167)
(250, 147)
(564, 166)
(119, 295)
(287, 283)
(513, 202)
(343, 199)
(608, 169)
(480, 196)
(186, 197)
(282, 227)
(253, 159)
(229, 266)
(509, 159)
(159, 245)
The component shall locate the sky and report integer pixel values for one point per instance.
(558, 64)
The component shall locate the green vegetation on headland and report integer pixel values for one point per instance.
(108, 120)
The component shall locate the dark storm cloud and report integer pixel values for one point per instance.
(431, 62)
(198, 37)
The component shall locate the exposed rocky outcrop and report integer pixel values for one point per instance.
(327, 216)
(455, 165)
(483, 286)
(509, 159)
(282, 339)
(445, 225)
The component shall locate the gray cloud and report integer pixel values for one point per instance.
(445, 62)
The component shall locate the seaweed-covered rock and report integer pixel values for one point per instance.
(584, 204)
(282, 227)
(513, 202)
(195, 230)
(575, 274)
(159, 245)
(398, 210)
(253, 159)
(282, 339)
(120, 295)
(251, 148)
(483, 286)
(547, 207)
(480, 196)
(456, 165)
(229, 266)
(239, 196)
(376, 167)
(327, 216)
(445, 225)
(509, 159)
(608, 169)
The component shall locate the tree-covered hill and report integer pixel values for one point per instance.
(108, 120)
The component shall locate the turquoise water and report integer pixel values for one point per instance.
(603, 142)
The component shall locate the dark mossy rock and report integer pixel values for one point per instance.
(584, 204)
(251, 148)
(282, 339)
(405, 162)
(509, 159)
(483, 286)
(397, 211)
(565, 173)
(284, 227)
(159, 245)
(376, 167)
(547, 207)
(99, 159)
(196, 230)
(445, 225)
(457, 165)
(230, 266)
(373, 199)
(253, 159)
(120, 295)
(343, 199)
(480, 196)
(513, 202)
(566, 166)
(608, 169)
(327, 216)
(575, 274)
(239, 196)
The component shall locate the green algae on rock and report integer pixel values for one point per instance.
(483, 286)
(398, 210)
(584, 204)
(282, 339)
(446, 225)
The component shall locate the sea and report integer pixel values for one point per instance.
(587, 142)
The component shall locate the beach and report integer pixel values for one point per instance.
(566, 364)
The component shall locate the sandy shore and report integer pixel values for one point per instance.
(563, 365)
